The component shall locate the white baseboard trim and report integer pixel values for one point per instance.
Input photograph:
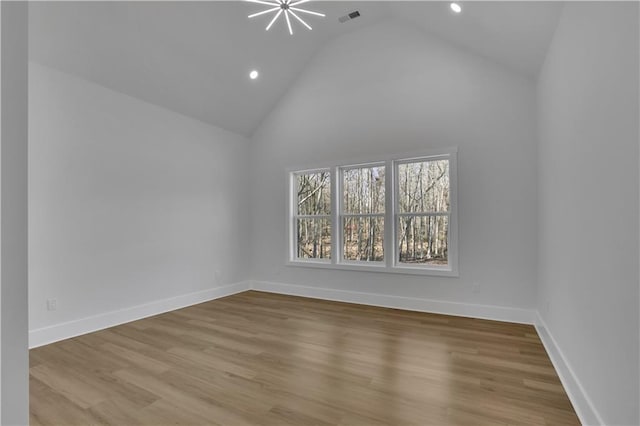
(54, 333)
(585, 409)
(583, 405)
(497, 313)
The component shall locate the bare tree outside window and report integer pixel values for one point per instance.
(313, 215)
(423, 212)
(363, 204)
(395, 215)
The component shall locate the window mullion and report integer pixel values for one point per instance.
(336, 234)
(389, 214)
(423, 214)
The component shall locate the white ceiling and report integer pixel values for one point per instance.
(513, 33)
(194, 57)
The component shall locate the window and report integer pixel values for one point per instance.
(423, 210)
(362, 214)
(312, 218)
(395, 215)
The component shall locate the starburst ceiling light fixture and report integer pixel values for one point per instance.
(286, 7)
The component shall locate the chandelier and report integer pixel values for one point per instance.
(288, 8)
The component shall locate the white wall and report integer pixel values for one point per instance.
(390, 89)
(129, 203)
(14, 357)
(588, 198)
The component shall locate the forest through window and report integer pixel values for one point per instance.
(343, 215)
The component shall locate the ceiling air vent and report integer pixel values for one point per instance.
(350, 16)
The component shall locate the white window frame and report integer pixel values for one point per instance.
(391, 263)
(341, 216)
(294, 216)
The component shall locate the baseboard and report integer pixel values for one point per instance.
(497, 313)
(66, 330)
(582, 404)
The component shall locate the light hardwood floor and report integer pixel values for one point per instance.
(265, 359)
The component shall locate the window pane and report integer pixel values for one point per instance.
(423, 186)
(423, 239)
(314, 193)
(363, 190)
(363, 237)
(314, 238)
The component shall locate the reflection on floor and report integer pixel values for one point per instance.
(258, 358)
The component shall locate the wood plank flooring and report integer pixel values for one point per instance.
(263, 359)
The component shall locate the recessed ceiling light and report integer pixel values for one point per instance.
(456, 7)
(253, 75)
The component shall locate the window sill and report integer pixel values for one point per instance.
(403, 270)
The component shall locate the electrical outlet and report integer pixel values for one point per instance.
(52, 304)
(475, 287)
(216, 277)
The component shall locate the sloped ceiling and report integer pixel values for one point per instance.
(194, 57)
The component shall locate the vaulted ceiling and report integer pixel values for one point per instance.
(194, 57)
